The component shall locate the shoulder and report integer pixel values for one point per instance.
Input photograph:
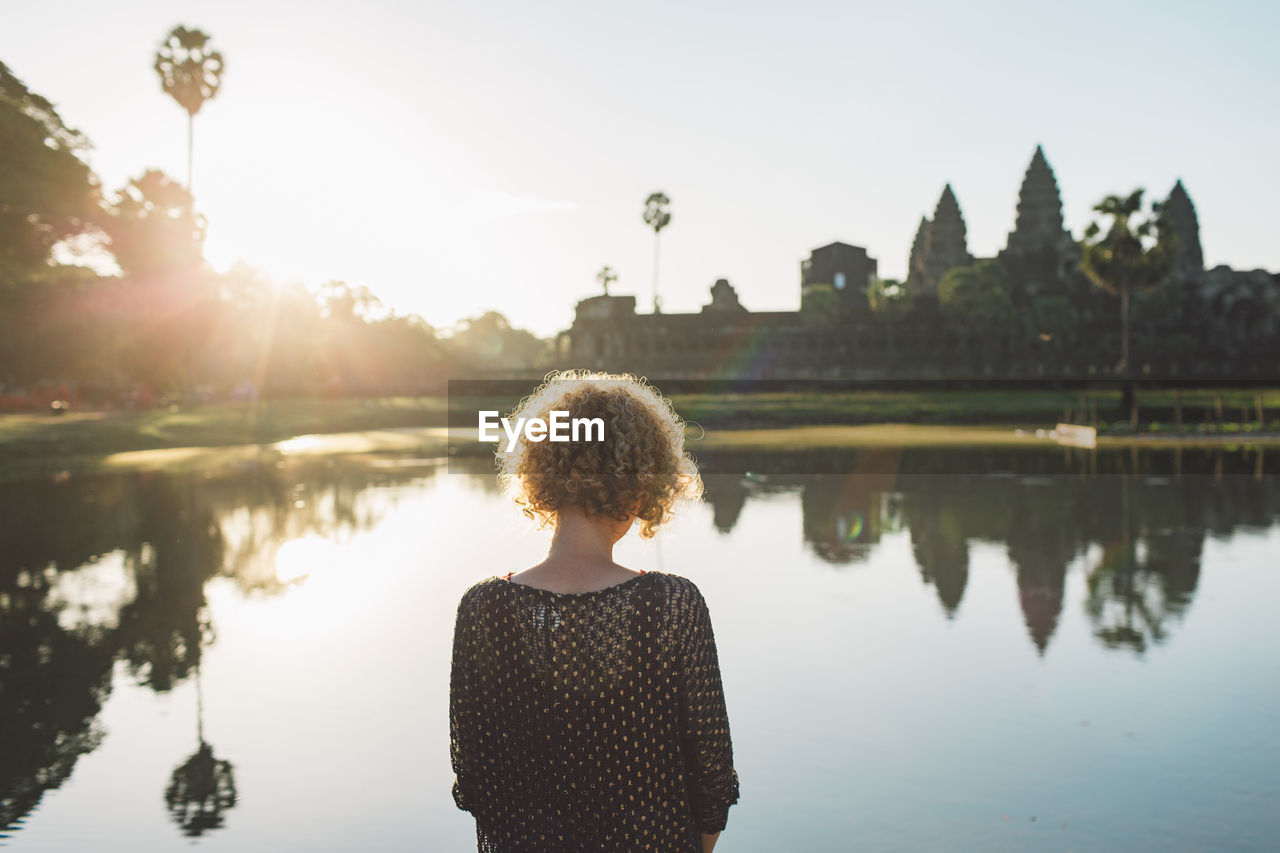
(476, 594)
(679, 592)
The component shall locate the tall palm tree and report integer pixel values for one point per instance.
(606, 277)
(1123, 260)
(190, 72)
(657, 217)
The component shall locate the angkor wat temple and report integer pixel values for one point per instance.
(1213, 324)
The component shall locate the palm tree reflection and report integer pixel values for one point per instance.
(200, 790)
(203, 787)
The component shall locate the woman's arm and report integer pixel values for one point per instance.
(461, 708)
(704, 737)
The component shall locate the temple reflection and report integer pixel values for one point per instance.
(1137, 521)
(938, 543)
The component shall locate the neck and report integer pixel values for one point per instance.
(582, 542)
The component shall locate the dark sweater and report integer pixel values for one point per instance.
(589, 721)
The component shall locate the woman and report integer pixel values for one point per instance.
(586, 709)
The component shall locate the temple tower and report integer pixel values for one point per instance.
(915, 265)
(940, 244)
(1180, 215)
(1039, 221)
(1040, 249)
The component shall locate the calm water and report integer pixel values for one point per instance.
(930, 650)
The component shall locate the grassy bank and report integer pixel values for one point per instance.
(78, 439)
(25, 439)
(1158, 408)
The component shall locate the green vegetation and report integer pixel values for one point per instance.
(1022, 408)
(889, 298)
(1124, 260)
(866, 435)
(166, 326)
(819, 303)
(26, 440)
(400, 424)
(975, 299)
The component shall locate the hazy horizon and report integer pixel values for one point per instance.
(455, 159)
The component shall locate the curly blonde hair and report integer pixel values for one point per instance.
(639, 467)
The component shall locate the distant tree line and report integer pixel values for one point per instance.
(168, 324)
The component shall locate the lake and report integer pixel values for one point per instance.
(921, 649)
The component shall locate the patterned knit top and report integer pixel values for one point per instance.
(589, 721)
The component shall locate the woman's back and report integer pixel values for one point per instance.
(590, 721)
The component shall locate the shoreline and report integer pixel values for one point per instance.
(431, 446)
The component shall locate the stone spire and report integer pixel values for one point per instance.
(1180, 214)
(1041, 252)
(946, 241)
(915, 265)
(724, 298)
(1039, 222)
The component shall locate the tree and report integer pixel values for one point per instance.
(819, 303)
(606, 277)
(657, 217)
(48, 197)
(491, 341)
(889, 298)
(190, 73)
(152, 229)
(1052, 321)
(47, 193)
(891, 302)
(348, 304)
(977, 298)
(166, 303)
(819, 308)
(1125, 258)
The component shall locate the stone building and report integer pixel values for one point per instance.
(849, 270)
(722, 339)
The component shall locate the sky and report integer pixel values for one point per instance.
(461, 157)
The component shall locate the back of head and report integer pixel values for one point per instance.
(624, 455)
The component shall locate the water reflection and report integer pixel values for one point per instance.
(201, 789)
(1138, 519)
(108, 569)
(114, 568)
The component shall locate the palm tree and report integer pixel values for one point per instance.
(656, 216)
(1123, 260)
(190, 73)
(606, 277)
